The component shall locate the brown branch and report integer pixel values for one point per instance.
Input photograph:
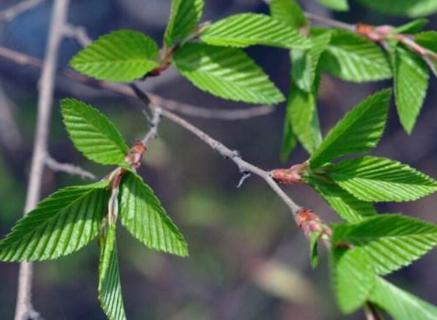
(68, 168)
(14, 11)
(24, 307)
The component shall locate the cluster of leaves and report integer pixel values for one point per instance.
(212, 57)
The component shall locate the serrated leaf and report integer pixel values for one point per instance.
(227, 73)
(305, 62)
(288, 12)
(390, 241)
(353, 278)
(184, 17)
(379, 179)
(145, 218)
(248, 29)
(122, 55)
(354, 58)
(410, 8)
(412, 26)
(61, 224)
(109, 288)
(303, 117)
(340, 5)
(92, 133)
(289, 141)
(358, 131)
(411, 79)
(314, 254)
(401, 305)
(344, 204)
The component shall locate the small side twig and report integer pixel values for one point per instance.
(68, 168)
(77, 33)
(154, 123)
(12, 12)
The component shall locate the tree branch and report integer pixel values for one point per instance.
(24, 307)
(68, 168)
(14, 11)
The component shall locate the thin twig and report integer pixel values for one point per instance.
(46, 91)
(77, 33)
(14, 11)
(154, 123)
(179, 107)
(329, 22)
(68, 168)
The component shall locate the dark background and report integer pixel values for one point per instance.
(248, 260)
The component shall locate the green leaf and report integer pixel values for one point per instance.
(391, 241)
(314, 254)
(288, 12)
(303, 117)
(428, 39)
(410, 83)
(142, 214)
(340, 5)
(410, 8)
(122, 55)
(401, 305)
(227, 73)
(248, 29)
(358, 131)
(110, 295)
(344, 204)
(412, 26)
(353, 278)
(289, 141)
(354, 58)
(305, 62)
(61, 224)
(92, 133)
(184, 17)
(379, 179)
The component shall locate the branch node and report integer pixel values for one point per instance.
(244, 176)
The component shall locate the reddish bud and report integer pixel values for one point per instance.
(292, 175)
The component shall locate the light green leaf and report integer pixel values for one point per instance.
(358, 131)
(142, 214)
(227, 73)
(61, 224)
(184, 17)
(412, 26)
(391, 241)
(305, 62)
(122, 55)
(353, 278)
(314, 254)
(303, 117)
(354, 58)
(248, 29)
(288, 12)
(410, 8)
(92, 133)
(289, 141)
(344, 204)
(110, 295)
(379, 179)
(411, 78)
(401, 305)
(340, 5)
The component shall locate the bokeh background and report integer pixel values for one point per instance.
(248, 260)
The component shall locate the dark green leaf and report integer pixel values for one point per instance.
(354, 58)
(340, 5)
(61, 224)
(142, 214)
(288, 12)
(289, 140)
(92, 133)
(314, 254)
(227, 73)
(249, 29)
(358, 131)
(400, 304)
(110, 295)
(412, 27)
(428, 39)
(390, 241)
(379, 179)
(184, 17)
(410, 8)
(119, 56)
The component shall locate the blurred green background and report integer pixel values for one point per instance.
(247, 259)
